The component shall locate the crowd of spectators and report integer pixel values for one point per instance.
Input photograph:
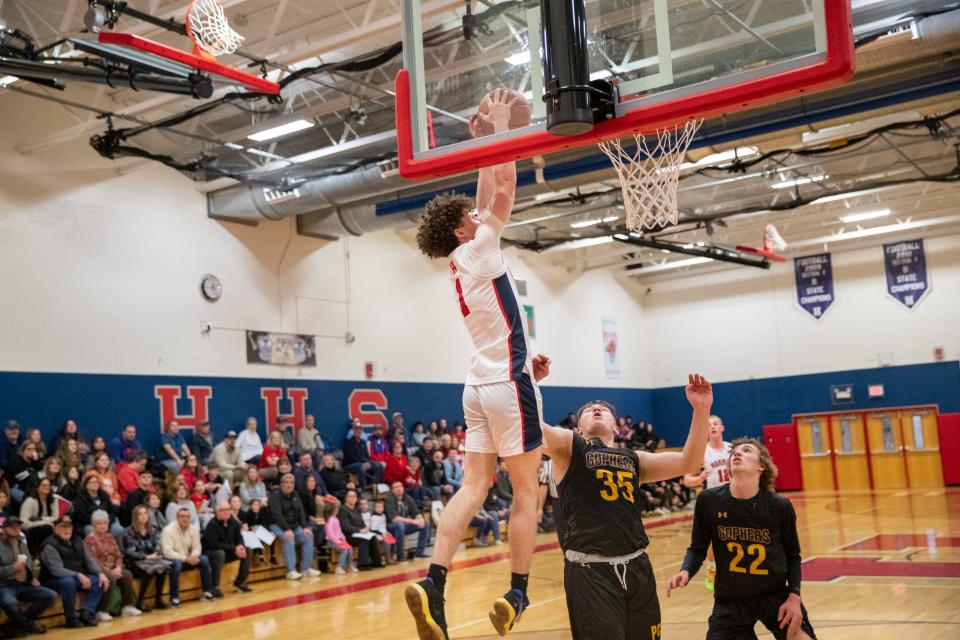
(96, 523)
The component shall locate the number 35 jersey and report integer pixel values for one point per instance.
(754, 542)
(598, 501)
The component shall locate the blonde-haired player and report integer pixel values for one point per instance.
(715, 473)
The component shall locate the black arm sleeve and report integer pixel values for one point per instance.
(791, 546)
(699, 539)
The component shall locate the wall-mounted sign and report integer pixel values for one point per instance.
(841, 393)
(290, 349)
(875, 391)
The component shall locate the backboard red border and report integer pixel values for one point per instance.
(836, 68)
(249, 80)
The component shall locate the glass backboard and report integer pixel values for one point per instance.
(671, 61)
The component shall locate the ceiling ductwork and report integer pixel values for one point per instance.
(374, 197)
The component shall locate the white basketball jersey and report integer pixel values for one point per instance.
(490, 306)
(715, 462)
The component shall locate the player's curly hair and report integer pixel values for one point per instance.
(435, 237)
(768, 477)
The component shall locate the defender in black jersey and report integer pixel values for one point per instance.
(609, 583)
(754, 536)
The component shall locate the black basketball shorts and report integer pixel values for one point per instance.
(601, 609)
(735, 619)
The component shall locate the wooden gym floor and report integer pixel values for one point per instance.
(879, 565)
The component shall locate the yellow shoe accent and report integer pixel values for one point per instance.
(419, 605)
(503, 615)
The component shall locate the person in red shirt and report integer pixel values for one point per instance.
(273, 451)
(397, 465)
(128, 474)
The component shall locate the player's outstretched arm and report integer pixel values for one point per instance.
(663, 466)
(497, 186)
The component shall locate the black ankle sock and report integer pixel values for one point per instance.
(519, 581)
(438, 574)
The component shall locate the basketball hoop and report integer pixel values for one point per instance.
(649, 174)
(209, 30)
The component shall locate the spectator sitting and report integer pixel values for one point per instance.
(69, 431)
(98, 445)
(142, 555)
(412, 485)
(252, 488)
(336, 539)
(179, 498)
(273, 453)
(289, 524)
(433, 431)
(396, 463)
(255, 516)
(201, 503)
(378, 525)
(304, 470)
(403, 516)
(180, 542)
(378, 446)
(128, 477)
(66, 567)
(212, 480)
(123, 446)
(105, 551)
(312, 507)
(443, 428)
(249, 444)
(5, 506)
(91, 498)
(202, 443)
(283, 467)
(309, 441)
(419, 433)
(445, 441)
(222, 543)
(19, 585)
(73, 481)
(191, 470)
(10, 443)
(227, 456)
(453, 470)
(351, 521)
(334, 479)
(36, 437)
(353, 424)
(396, 425)
(485, 523)
(458, 432)
(109, 484)
(493, 505)
(138, 495)
(69, 453)
(287, 435)
(503, 484)
(53, 471)
(456, 443)
(23, 471)
(38, 513)
(435, 479)
(173, 450)
(155, 516)
(425, 452)
(356, 459)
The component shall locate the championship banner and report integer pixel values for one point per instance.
(611, 353)
(289, 349)
(906, 267)
(814, 275)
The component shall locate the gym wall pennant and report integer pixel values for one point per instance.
(611, 346)
(906, 267)
(814, 275)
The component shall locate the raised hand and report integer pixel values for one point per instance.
(699, 392)
(499, 107)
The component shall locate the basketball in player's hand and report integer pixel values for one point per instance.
(480, 124)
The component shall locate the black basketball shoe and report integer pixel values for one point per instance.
(507, 610)
(426, 604)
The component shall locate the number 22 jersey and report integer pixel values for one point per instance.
(754, 541)
(598, 502)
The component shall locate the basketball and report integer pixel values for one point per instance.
(519, 115)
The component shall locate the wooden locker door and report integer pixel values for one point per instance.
(886, 450)
(922, 446)
(813, 438)
(850, 451)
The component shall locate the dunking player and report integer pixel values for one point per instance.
(716, 472)
(501, 402)
(754, 535)
(610, 587)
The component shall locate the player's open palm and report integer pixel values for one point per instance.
(499, 106)
(699, 391)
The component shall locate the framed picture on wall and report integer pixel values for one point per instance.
(531, 322)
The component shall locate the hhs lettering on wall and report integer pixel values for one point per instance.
(199, 396)
(297, 397)
(368, 405)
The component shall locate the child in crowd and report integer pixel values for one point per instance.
(378, 525)
(336, 540)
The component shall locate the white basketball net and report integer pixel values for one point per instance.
(648, 174)
(209, 29)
